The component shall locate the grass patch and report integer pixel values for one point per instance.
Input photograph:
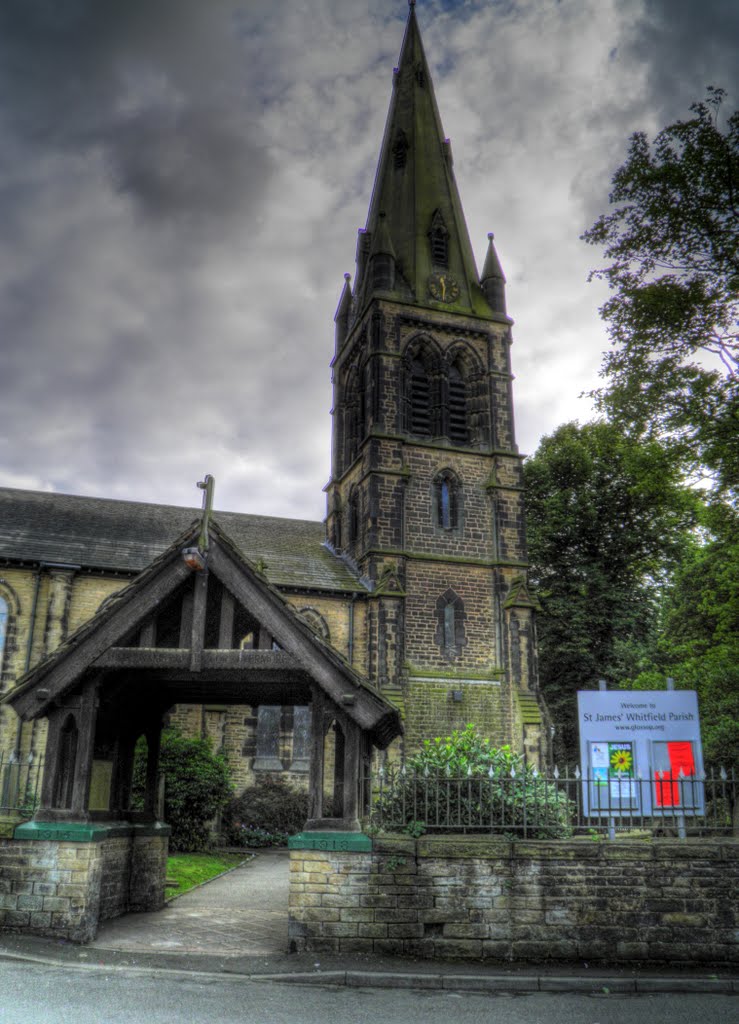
(191, 869)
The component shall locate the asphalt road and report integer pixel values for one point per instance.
(39, 994)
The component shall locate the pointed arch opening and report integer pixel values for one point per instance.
(9, 611)
(354, 415)
(400, 150)
(439, 240)
(450, 620)
(447, 500)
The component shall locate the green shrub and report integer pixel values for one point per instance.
(197, 785)
(265, 814)
(461, 783)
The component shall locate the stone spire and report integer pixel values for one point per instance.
(415, 207)
(493, 278)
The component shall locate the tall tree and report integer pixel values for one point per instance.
(673, 243)
(698, 639)
(606, 518)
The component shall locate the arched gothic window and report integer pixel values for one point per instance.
(447, 496)
(457, 429)
(450, 618)
(354, 407)
(316, 622)
(4, 616)
(419, 399)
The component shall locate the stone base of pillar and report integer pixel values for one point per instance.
(64, 877)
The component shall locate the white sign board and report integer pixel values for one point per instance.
(640, 752)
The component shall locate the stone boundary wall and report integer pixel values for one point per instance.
(488, 898)
(63, 889)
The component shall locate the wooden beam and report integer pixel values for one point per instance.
(148, 634)
(65, 670)
(86, 722)
(158, 658)
(226, 624)
(197, 632)
(315, 785)
(269, 610)
(352, 764)
(186, 620)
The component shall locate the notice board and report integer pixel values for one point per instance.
(640, 752)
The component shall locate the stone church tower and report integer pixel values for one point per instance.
(425, 496)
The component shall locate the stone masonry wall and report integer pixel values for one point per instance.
(63, 889)
(50, 888)
(488, 898)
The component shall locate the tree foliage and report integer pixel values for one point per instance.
(606, 520)
(462, 783)
(197, 785)
(673, 243)
(698, 641)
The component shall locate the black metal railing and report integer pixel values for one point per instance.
(527, 803)
(20, 784)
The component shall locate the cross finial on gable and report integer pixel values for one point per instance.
(207, 486)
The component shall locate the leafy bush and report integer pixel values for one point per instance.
(461, 783)
(265, 814)
(251, 836)
(197, 785)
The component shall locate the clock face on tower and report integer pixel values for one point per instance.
(443, 287)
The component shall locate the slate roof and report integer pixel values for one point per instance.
(125, 536)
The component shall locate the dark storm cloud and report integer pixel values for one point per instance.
(158, 85)
(685, 46)
(181, 182)
(189, 162)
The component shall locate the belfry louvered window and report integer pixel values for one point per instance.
(419, 399)
(457, 408)
(400, 150)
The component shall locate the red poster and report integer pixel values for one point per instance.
(680, 753)
(667, 789)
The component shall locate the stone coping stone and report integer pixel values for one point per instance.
(86, 831)
(339, 842)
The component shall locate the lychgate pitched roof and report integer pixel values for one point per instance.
(207, 662)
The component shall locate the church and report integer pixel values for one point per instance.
(403, 616)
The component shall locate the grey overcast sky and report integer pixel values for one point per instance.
(181, 185)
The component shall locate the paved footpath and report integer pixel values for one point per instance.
(242, 913)
(236, 925)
